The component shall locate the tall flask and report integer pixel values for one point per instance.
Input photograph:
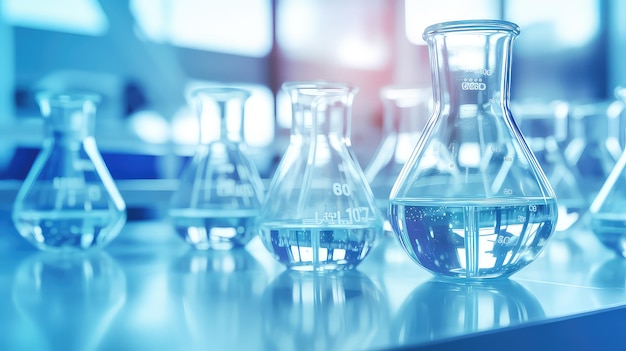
(220, 191)
(320, 214)
(472, 202)
(68, 201)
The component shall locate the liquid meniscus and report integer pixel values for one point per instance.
(311, 248)
(68, 230)
(215, 229)
(473, 239)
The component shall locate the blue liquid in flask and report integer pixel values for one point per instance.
(320, 248)
(475, 238)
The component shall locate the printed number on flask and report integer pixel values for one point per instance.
(341, 189)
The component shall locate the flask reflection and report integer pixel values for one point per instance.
(338, 311)
(70, 299)
(441, 309)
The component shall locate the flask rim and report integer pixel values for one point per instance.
(68, 99)
(221, 93)
(318, 87)
(471, 25)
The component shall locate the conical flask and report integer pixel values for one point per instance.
(405, 112)
(545, 128)
(608, 209)
(472, 201)
(220, 192)
(320, 214)
(69, 201)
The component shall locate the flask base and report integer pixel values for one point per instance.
(332, 248)
(66, 231)
(219, 230)
(474, 239)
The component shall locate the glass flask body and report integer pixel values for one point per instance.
(545, 128)
(472, 201)
(607, 212)
(322, 214)
(69, 201)
(591, 151)
(220, 192)
(405, 112)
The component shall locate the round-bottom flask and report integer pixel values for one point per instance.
(472, 202)
(68, 201)
(220, 192)
(320, 214)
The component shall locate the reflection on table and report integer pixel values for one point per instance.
(150, 291)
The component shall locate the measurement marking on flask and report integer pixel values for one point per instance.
(341, 189)
(478, 70)
(507, 191)
(354, 215)
(473, 84)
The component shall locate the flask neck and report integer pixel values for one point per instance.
(320, 109)
(405, 109)
(68, 117)
(220, 114)
(471, 64)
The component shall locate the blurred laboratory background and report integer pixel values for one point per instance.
(144, 56)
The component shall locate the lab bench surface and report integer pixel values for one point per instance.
(148, 290)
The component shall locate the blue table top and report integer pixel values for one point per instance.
(148, 290)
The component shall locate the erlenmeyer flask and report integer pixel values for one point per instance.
(220, 191)
(472, 201)
(322, 213)
(591, 151)
(68, 200)
(405, 112)
(545, 128)
(608, 209)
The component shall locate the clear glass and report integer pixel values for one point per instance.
(472, 201)
(322, 214)
(220, 192)
(591, 151)
(69, 201)
(608, 209)
(405, 112)
(545, 128)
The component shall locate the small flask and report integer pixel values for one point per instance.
(588, 151)
(545, 128)
(405, 112)
(472, 202)
(220, 192)
(68, 201)
(607, 212)
(322, 215)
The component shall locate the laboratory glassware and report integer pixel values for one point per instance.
(545, 128)
(405, 112)
(589, 150)
(608, 209)
(472, 201)
(220, 191)
(69, 201)
(321, 214)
